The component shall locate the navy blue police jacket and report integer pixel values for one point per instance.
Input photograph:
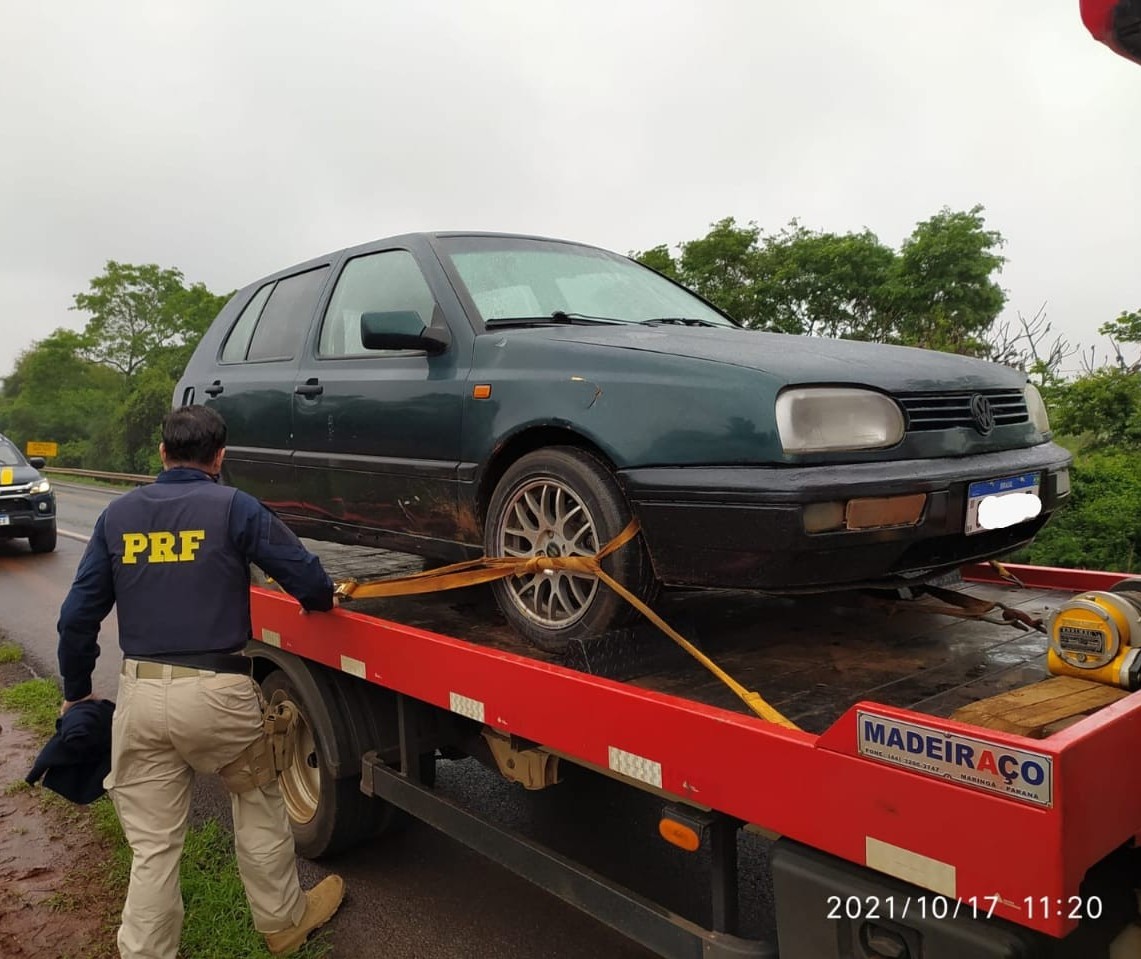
(173, 558)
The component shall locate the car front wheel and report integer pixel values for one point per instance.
(43, 540)
(563, 501)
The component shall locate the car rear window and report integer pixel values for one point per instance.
(238, 342)
(278, 320)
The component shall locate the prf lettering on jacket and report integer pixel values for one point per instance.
(159, 547)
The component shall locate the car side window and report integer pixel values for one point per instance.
(9, 455)
(286, 316)
(239, 339)
(376, 283)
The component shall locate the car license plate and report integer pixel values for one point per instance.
(4, 519)
(992, 492)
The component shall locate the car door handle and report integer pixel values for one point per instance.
(309, 388)
(214, 388)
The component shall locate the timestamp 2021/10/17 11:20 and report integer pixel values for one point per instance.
(973, 907)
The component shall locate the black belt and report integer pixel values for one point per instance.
(218, 662)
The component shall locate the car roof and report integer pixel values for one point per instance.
(405, 239)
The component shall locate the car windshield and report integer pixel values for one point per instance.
(519, 279)
(9, 455)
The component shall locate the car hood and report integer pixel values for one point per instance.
(17, 476)
(807, 359)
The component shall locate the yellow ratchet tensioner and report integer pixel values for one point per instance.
(1097, 636)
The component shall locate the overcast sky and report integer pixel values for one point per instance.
(233, 139)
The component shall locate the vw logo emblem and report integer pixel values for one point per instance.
(982, 413)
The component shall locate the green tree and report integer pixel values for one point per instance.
(720, 266)
(141, 315)
(659, 258)
(1125, 329)
(938, 291)
(1103, 408)
(55, 394)
(942, 294)
(139, 421)
(823, 284)
(102, 393)
(144, 323)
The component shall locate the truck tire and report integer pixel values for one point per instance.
(564, 501)
(327, 814)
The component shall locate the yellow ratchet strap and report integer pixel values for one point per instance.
(489, 568)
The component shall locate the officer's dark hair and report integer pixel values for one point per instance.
(193, 434)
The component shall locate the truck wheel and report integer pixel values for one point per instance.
(327, 814)
(43, 540)
(563, 501)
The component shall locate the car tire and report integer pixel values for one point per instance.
(564, 501)
(43, 540)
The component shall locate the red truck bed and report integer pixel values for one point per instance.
(870, 691)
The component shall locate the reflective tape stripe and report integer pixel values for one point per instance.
(270, 638)
(354, 667)
(636, 767)
(910, 866)
(472, 708)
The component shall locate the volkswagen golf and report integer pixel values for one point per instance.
(461, 394)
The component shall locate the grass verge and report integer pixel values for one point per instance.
(218, 921)
(10, 653)
(36, 702)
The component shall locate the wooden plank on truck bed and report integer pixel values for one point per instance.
(1042, 708)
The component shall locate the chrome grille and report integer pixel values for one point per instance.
(945, 411)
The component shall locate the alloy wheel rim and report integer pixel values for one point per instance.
(546, 518)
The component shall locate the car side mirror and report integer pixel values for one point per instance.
(401, 330)
(37, 462)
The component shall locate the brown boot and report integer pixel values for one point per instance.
(320, 903)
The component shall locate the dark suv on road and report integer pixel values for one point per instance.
(455, 394)
(27, 503)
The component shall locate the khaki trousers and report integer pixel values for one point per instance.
(163, 731)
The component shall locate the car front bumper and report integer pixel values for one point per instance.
(744, 527)
(25, 513)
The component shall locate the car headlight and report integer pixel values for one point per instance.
(1036, 408)
(816, 419)
(41, 486)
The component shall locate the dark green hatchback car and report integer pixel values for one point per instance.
(455, 394)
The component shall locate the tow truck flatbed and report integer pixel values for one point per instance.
(853, 812)
(811, 657)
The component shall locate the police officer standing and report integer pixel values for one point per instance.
(173, 557)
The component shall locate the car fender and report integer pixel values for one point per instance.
(637, 408)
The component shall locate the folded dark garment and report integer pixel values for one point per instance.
(75, 760)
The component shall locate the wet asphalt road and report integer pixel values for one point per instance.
(417, 894)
